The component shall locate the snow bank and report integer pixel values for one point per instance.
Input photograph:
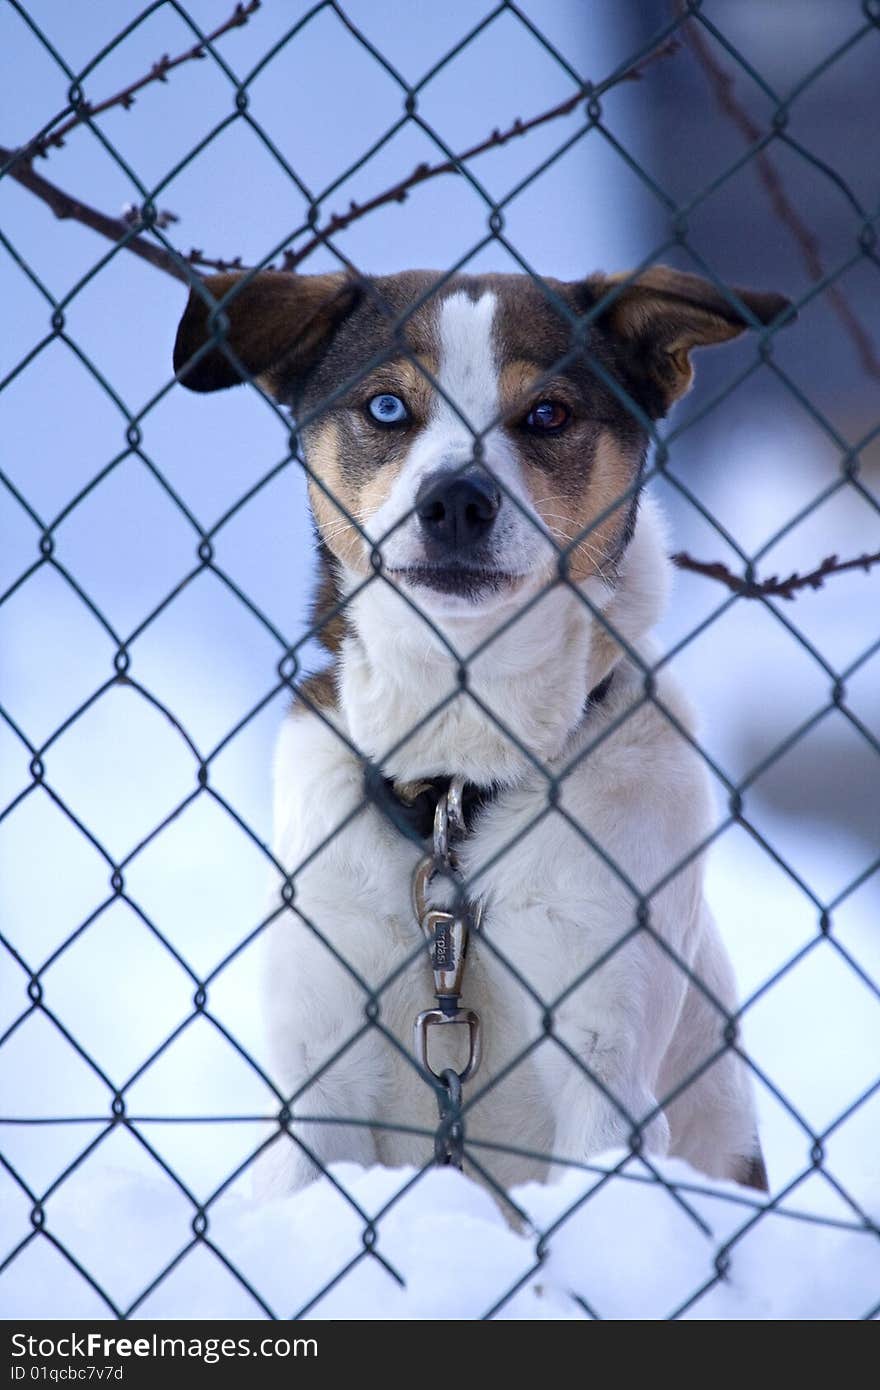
(629, 1251)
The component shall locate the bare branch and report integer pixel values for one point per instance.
(41, 144)
(65, 205)
(198, 259)
(399, 191)
(133, 217)
(722, 84)
(774, 587)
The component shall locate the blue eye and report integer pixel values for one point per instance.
(388, 410)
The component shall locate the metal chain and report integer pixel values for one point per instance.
(447, 933)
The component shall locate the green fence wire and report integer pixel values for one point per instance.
(147, 223)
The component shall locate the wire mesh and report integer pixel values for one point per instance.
(148, 223)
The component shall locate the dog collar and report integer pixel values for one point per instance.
(411, 806)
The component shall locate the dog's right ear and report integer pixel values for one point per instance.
(278, 325)
(660, 316)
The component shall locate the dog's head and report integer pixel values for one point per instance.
(473, 432)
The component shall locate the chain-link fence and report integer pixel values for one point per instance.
(689, 34)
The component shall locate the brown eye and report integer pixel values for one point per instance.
(548, 417)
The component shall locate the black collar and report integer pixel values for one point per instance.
(411, 809)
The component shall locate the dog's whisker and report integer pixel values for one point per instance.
(343, 524)
(593, 552)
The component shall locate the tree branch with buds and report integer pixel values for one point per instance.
(774, 587)
(19, 166)
(55, 136)
(723, 89)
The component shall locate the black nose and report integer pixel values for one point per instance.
(456, 510)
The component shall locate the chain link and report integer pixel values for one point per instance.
(447, 933)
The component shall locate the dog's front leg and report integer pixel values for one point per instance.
(602, 1103)
(329, 1064)
(333, 1092)
(606, 1039)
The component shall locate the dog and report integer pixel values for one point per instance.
(489, 575)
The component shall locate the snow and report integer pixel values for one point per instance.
(627, 1250)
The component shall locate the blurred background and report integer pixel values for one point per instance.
(661, 177)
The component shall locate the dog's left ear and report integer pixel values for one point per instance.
(277, 325)
(661, 315)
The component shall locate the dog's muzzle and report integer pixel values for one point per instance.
(456, 512)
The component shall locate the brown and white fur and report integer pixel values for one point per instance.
(528, 610)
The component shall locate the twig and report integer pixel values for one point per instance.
(41, 144)
(774, 587)
(198, 259)
(399, 191)
(133, 217)
(722, 84)
(65, 205)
